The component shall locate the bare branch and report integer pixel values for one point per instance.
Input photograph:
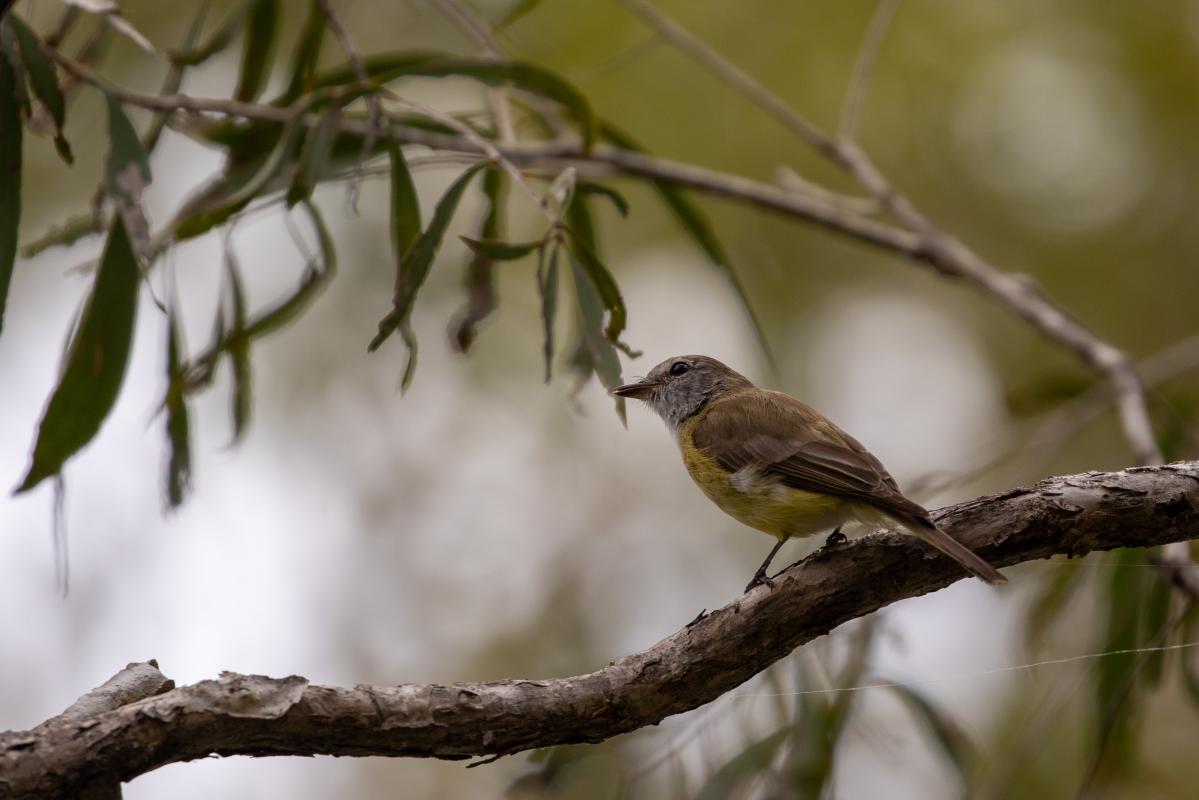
(864, 66)
(254, 715)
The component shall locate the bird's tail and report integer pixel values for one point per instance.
(929, 532)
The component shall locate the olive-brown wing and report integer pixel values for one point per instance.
(784, 438)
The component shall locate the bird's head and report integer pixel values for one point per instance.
(680, 387)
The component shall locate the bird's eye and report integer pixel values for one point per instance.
(679, 367)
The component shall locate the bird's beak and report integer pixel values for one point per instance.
(638, 391)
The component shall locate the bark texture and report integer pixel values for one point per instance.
(93, 747)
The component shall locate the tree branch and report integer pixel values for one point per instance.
(255, 715)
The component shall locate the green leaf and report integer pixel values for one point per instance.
(44, 81)
(127, 170)
(697, 226)
(1156, 610)
(189, 57)
(405, 206)
(387, 67)
(307, 54)
(10, 175)
(600, 353)
(413, 266)
(547, 290)
(592, 188)
(480, 270)
(317, 274)
(951, 740)
(747, 765)
(178, 418)
(583, 249)
(238, 348)
(314, 158)
(257, 49)
(193, 222)
(9, 51)
(502, 251)
(96, 361)
(1116, 673)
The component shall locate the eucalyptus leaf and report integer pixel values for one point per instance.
(547, 291)
(95, 361)
(43, 79)
(502, 251)
(262, 29)
(178, 418)
(413, 266)
(480, 269)
(10, 175)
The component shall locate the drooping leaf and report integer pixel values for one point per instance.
(10, 51)
(10, 175)
(199, 218)
(746, 766)
(950, 739)
(501, 251)
(178, 418)
(697, 226)
(306, 54)
(414, 265)
(257, 49)
(1116, 674)
(584, 250)
(220, 39)
(594, 346)
(238, 348)
(593, 188)
(1156, 610)
(547, 291)
(480, 270)
(127, 170)
(405, 206)
(127, 173)
(1051, 597)
(95, 362)
(44, 81)
(314, 158)
(226, 339)
(385, 67)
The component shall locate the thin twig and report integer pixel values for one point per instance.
(374, 109)
(477, 32)
(863, 67)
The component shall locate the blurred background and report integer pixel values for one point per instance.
(487, 526)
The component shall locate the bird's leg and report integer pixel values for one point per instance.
(760, 576)
(835, 538)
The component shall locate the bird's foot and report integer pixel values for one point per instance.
(760, 578)
(835, 538)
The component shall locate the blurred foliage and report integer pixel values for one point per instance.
(955, 107)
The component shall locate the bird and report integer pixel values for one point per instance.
(778, 465)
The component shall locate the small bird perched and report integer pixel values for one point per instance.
(777, 465)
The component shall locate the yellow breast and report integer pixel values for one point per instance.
(757, 500)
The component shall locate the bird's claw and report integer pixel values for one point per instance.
(759, 579)
(835, 538)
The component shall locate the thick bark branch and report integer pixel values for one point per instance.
(255, 715)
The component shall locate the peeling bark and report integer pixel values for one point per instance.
(95, 745)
